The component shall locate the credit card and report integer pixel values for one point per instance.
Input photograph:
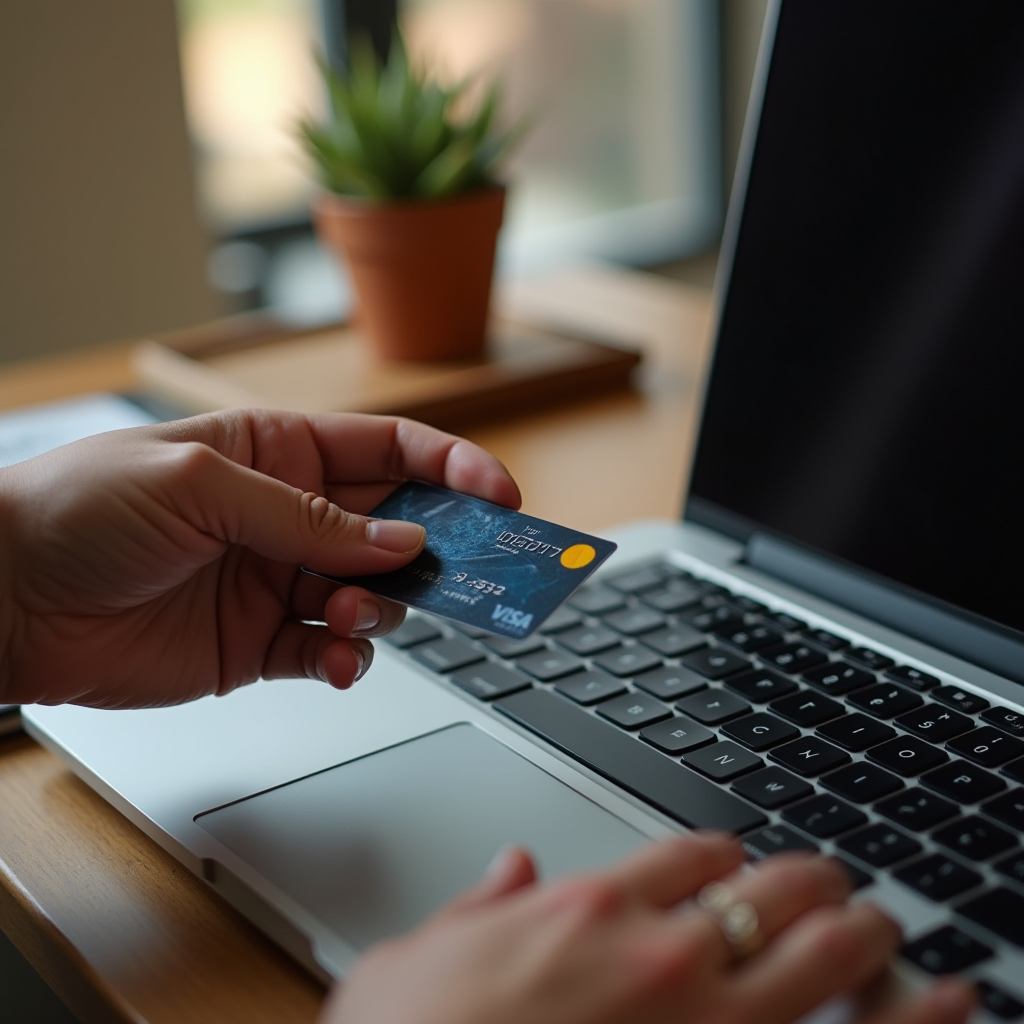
(484, 565)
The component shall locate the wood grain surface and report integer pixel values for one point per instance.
(333, 368)
(117, 927)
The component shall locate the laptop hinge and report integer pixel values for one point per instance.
(965, 637)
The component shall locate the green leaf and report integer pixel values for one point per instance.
(447, 172)
(481, 124)
(393, 133)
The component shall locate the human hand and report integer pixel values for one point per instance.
(152, 566)
(608, 947)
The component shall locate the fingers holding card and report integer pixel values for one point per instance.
(484, 565)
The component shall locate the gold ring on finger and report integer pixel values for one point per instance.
(736, 919)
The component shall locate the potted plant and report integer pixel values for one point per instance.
(412, 201)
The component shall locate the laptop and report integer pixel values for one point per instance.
(826, 652)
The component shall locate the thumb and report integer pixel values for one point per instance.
(239, 505)
(512, 869)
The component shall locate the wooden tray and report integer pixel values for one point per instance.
(254, 361)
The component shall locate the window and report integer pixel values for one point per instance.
(622, 162)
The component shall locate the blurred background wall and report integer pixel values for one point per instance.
(149, 176)
(99, 232)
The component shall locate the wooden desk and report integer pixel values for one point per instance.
(118, 928)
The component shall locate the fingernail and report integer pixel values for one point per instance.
(395, 535)
(367, 616)
(363, 663)
(499, 862)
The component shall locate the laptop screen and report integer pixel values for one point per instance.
(867, 394)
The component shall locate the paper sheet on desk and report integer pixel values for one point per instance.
(35, 429)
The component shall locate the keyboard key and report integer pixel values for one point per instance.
(633, 710)
(861, 782)
(858, 876)
(759, 731)
(713, 706)
(772, 787)
(761, 685)
(674, 596)
(913, 678)
(856, 732)
(713, 590)
(473, 632)
(415, 630)
(1015, 770)
(963, 782)
(790, 623)
(960, 700)
(885, 700)
(987, 746)
(937, 878)
(627, 661)
(917, 809)
(1001, 911)
(550, 664)
(596, 600)
(792, 658)
(637, 580)
(490, 680)
(879, 845)
(677, 735)
(907, 756)
(713, 614)
(561, 618)
(506, 647)
(998, 1002)
(587, 640)
(749, 638)
(838, 678)
(935, 723)
(634, 621)
(1008, 808)
(675, 640)
(745, 637)
(823, 638)
(748, 604)
(590, 687)
(722, 761)
(947, 950)
(670, 682)
(775, 839)
(869, 659)
(807, 709)
(1012, 867)
(824, 816)
(446, 656)
(809, 756)
(715, 662)
(975, 838)
(1006, 719)
(670, 787)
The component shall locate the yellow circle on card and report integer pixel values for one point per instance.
(578, 556)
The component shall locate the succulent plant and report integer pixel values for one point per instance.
(394, 133)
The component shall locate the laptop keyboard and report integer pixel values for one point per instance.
(723, 713)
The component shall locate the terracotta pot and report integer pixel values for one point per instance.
(422, 269)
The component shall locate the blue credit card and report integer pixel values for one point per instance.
(484, 565)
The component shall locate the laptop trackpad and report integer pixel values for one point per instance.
(373, 846)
